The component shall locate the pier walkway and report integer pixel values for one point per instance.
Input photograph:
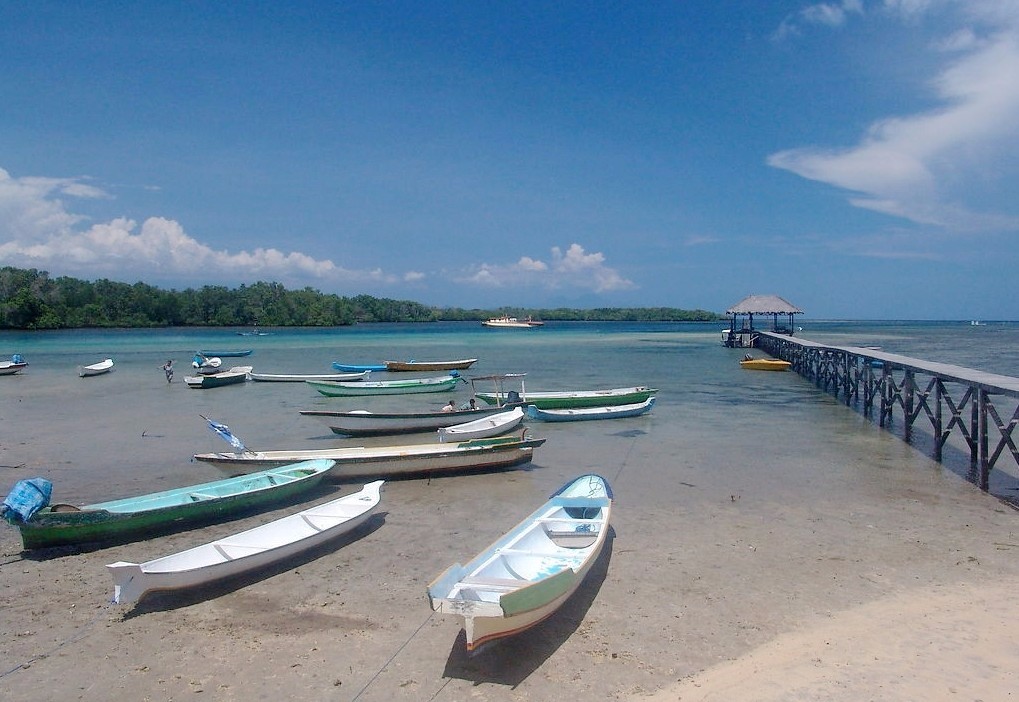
(952, 398)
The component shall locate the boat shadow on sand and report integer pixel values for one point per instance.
(512, 660)
(175, 599)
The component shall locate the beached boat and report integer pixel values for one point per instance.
(493, 425)
(104, 366)
(355, 368)
(248, 550)
(303, 377)
(584, 413)
(365, 423)
(508, 323)
(430, 366)
(526, 575)
(576, 398)
(765, 364)
(388, 461)
(386, 387)
(231, 376)
(15, 365)
(131, 517)
(226, 354)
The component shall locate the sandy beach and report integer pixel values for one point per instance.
(843, 565)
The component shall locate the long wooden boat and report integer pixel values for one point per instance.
(389, 461)
(231, 376)
(248, 550)
(584, 413)
(365, 423)
(303, 377)
(385, 387)
(227, 354)
(12, 367)
(104, 366)
(577, 398)
(765, 364)
(527, 574)
(493, 425)
(430, 366)
(355, 368)
(131, 517)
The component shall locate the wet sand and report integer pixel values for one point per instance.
(843, 566)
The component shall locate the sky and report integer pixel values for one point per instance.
(859, 158)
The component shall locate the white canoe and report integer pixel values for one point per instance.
(480, 428)
(584, 413)
(386, 387)
(365, 423)
(300, 378)
(526, 575)
(104, 366)
(387, 461)
(248, 550)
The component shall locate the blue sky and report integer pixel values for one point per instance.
(857, 157)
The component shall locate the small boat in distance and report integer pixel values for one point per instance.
(430, 366)
(576, 398)
(354, 368)
(104, 366)
(177, 508)
(764, 364)
(507, 322)
(386, 387)
(303, 377)
(364, 423)
(231, 376)
(493, 425)
(585, 413)
(527, 574)
(249, 550)
(226, 354)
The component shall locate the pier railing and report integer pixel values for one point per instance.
(951, 398)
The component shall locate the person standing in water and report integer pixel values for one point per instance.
(168, 369)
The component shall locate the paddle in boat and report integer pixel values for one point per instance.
(104, 366)
(584, 413)
(528, 573)
(354, 368)
(304, 377)
(493, 425)
(578, 398)
(387, 387)
(15, 365)
(362, 422)
(430, 366)
(178, 508)
(231, 376)
(765, 364)
(248, 550)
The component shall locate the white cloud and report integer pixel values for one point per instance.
(920, 166)
(573, 268)
(828, 14)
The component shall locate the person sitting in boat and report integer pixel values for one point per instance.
(450, 406)
(748, 357)
(471, 404)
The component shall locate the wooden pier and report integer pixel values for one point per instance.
(952, 398)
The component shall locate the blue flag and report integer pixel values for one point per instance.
(224, 431)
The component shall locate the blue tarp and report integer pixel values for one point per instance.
(26, 498)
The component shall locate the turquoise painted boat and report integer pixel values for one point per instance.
(224, 354)
(586, 413)
(528, 573)
(385, 387)
(132, 517)
(575, 398)
(355, 368)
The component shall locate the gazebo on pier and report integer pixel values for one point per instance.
(741, 330)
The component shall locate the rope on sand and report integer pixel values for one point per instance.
(77, 636)
(391, 658)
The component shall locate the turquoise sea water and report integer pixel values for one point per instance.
(133, 428)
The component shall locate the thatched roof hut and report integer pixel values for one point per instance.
(772, 305)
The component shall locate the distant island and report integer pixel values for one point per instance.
(30, 299)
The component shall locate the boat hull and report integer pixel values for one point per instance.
(247, 551)
(766, 364)
(355, 368)
(384, 387)
(430, 366)
(233, 376)
(100, 368)
(129, 518)
(589, 413)
(389, 461)
(484, 427)
(10, 368)
(364, 423)
(299, 378)
(226, 354)
(527, 574)
(580, 398)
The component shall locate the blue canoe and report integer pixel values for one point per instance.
(223, 354)
(350, 368)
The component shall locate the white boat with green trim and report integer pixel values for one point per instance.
(527, 574)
